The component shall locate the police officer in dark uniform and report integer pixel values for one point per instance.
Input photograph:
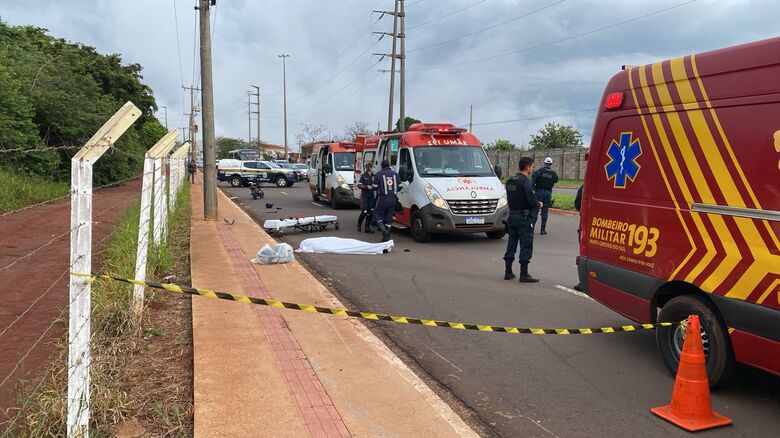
(386, 183)
(519, 226)
(544, 179)
(367, 197)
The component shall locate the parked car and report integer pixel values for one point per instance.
(303, 168)
(298, 173)
(238, 173)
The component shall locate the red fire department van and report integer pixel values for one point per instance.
(448, 183)
(681, 205)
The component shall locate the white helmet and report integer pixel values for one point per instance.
(548, 160)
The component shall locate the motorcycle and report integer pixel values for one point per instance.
(256, 190)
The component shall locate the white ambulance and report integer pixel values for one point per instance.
(448, 184)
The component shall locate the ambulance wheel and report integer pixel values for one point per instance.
(281, 182)
(498, 234)
(714, 335)
(418, 229)
(236, 181)
(279, 233)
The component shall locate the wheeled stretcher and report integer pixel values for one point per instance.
(311, 224)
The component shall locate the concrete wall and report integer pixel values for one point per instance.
(569, 163)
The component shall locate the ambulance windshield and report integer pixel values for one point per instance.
(344, 161)
(451, 161)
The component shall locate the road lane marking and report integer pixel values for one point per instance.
(284, 193)
(444, 358)
(572, 291)
(318, 205)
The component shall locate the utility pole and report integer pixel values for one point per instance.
(257, 105)
(471, 115)
(284, 90)
(402, 97)
(165, 111)
(193, 129)
(210, 211)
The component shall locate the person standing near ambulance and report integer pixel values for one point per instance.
(519, 226)
(367, 198)
(386, 183)
(544, 179)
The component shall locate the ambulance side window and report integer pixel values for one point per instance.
(368, 157)
(406, 159)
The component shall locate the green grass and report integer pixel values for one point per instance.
(114, 339)
(19, 190)
(569, 183)
(563, 201)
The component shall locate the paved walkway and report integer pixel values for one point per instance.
(266, 372)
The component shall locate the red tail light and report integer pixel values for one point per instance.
(614, 100)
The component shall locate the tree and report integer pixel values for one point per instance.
(500, 145)
(355, 129)
(555, 135)
(408, 121)
(226, 144)
(311, 133)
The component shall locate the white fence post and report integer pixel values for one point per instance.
(151, 179)
(143, 238)
(159, 152)
(80, 304)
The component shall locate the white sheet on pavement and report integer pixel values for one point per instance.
(339, 245)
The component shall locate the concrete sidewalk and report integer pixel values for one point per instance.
(260, 371)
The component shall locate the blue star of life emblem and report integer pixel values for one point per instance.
(622, 163)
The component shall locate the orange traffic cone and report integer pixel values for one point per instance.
(691, 407)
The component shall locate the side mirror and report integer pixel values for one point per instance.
(499, 171)
(327, 168)
(405, 174)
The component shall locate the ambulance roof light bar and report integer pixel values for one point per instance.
(437, 128)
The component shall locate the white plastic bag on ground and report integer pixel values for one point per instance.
(339, 245)
(282, 253)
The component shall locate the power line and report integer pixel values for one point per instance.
(524, 15)
(526, 119)
(550, 43)
(178, 50)
(446, 15)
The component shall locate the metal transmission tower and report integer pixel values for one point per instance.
(393, 55)
(284, 90)
(257, 107)
(402, 56)
(209, 142)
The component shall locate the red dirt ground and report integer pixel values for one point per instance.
(38, 284)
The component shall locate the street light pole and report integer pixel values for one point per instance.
(284, 90)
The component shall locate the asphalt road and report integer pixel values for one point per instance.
(518, 385)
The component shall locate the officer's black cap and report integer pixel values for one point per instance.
(385, 164)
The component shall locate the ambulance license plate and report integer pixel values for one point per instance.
(475, 220)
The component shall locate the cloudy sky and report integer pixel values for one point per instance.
(520, 62)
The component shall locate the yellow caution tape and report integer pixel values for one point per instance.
(182, 289)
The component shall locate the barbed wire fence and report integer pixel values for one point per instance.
(162, 177)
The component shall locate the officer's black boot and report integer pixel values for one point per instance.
(544, 227)
(384, 230)
(508, 274)
(360, 221)
(525, 277)
(368, 227)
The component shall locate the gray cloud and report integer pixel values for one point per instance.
(556, 78)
